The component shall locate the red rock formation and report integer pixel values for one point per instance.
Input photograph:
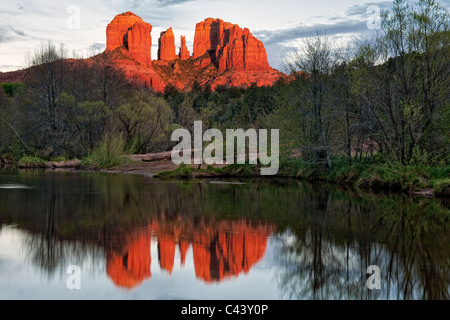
(209, 34)
(139, 42)
(184, 52)
(202, 40)
(130, 31)
(118, 28)
(224, 54)
(130, 268)
(167, 50)
(246, 79)
(245, 53)
(229, 46)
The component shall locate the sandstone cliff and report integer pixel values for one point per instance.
(224, 54)
(167, 49)
(184, 52)
(131, 32)
(229, 46)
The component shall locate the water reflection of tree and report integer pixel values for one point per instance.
(51, 251)
(326, 256)
(336, 234)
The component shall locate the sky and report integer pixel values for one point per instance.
(81, 25)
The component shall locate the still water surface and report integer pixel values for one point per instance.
(136, 237)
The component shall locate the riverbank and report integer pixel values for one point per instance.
(148, 165)
(418, 180)
(366, 179)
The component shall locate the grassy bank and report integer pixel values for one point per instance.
(379, 176)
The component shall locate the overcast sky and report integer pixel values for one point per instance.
(81, 25)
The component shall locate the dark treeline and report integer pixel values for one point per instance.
(387, 98)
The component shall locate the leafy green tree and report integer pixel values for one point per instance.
(91, 120)
(415, 79)
(145, 121)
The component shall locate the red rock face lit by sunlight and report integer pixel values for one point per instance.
(118, 28)
(131, 267)
(131, 32)
(224, 55)
(167, 49)
(229, 46)
(184, 52)
(139, 43)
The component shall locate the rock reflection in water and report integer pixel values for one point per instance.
(220, 250)
(314, 241)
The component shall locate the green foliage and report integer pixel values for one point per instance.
(241, 170)
(442, 187)
(146, 122)
(383, 103)
(182, 172)
(12, 88)
(109, 153)
(32, 161)
(381, 175)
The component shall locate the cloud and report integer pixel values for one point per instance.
(9, 67)
(149, 3)
(8, 33)
(97, 46)
(360, 10)
(166, 3)
(285, 36)
(352, 21)
(18, 32)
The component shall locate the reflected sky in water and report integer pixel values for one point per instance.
(140, 238)
(20, 280)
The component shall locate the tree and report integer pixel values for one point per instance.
(415, 79)
(91, 122)
(315, 62)
(46, 79)
(145, 121)
(362, 89)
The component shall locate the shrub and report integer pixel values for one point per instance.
(109, 152)
(32, 161)
(12, 88)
